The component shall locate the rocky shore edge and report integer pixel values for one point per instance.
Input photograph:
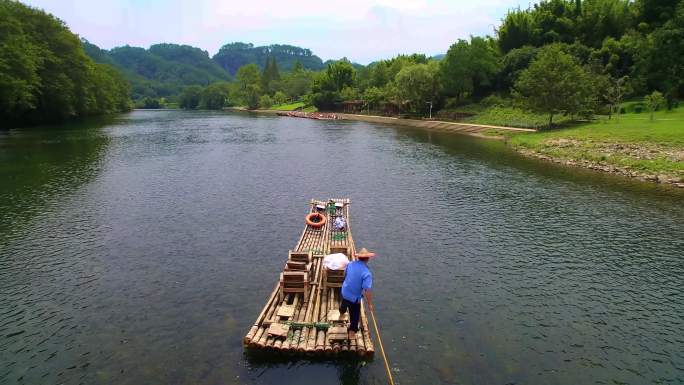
(606, 168)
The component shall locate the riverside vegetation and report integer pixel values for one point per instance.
(46, 77)
(555, 65)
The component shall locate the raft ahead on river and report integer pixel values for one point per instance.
(301, 315)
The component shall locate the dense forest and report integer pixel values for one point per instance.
(558, 57)
(45, 75)
(162, 70)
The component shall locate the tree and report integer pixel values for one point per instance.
(215, 96)
(512, 63)
(349, 93)
(653, 102)
(249, 85)
(666, 58)
(555, 83)
(190, 97)
(601, 19)
(469, 67)
(342, 74)
(418, 84)
(614, 92)
(327, 85)
(656, 12)
(265, 101)
(150, 103)
(518, 29)
(269, 75)
(373, 96)
(297, 83)
(279, 98)
(297, 67)
(110, 89)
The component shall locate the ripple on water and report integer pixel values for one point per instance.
(148, 259)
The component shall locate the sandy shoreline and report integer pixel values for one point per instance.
(476, 130)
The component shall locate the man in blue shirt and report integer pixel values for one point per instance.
(358, 281)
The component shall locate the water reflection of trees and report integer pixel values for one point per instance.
(41, 163)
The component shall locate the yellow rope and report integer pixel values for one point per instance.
(382, 348)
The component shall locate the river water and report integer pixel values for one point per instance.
(140, 249)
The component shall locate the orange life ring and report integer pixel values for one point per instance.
(319, 223)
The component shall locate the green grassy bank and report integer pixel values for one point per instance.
(293, 106)
(634, 146)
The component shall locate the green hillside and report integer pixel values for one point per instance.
(235, 55)
(162, 70)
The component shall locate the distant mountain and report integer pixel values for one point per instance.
(439, 57)
(162, 70)
(234, 55)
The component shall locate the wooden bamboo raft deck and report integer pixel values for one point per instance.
(308, 323)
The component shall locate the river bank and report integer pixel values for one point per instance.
(478, 130)
(634, 147)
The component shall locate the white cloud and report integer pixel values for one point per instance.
(360, 30)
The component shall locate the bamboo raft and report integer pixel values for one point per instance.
(301, 315)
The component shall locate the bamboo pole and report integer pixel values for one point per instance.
(287, 343)
(320, 338)
(278, 343)
(326, 342)
(260, 318)
(256, 341)
(311, 341)
(315, 298)
(382, 348)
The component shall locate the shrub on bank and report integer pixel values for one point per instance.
(265, 101)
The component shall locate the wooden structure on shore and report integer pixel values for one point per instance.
(301, 316)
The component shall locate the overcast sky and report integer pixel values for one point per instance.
(362, 31)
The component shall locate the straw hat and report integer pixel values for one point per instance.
(364, 254)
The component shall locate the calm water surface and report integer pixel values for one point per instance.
(140, 250)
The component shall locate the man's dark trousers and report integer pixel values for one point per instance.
(354, 313)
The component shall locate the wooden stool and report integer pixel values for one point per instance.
(341, 249)
(333, 278)
(300, 256)
(299, 261)
(294, 282)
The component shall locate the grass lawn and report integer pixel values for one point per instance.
(634, 144)
(498, 115)
(288, 107)
(513, 117)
